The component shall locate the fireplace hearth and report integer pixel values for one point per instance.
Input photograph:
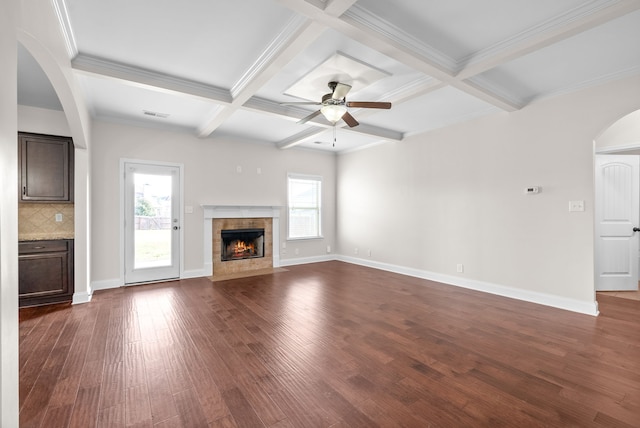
(239, 244)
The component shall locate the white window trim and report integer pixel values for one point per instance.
(305, 177)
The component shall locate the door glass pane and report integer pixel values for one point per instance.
(152, 220)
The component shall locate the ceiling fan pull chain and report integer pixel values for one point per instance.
(334, 135)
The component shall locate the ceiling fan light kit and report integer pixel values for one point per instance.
(333, 112)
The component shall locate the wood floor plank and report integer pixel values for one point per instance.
(189, 410)
(85, 411)
(326, 345)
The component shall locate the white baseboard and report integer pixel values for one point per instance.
(106, 284)
(195, 273)
(207, 269)
(83, 297)
(306, 260)
(583, 307)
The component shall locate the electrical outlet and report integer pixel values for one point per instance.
(59, 217)
(459, 268)
(328, 249)
(238, 169)
(297, 251)
(355, 251)
(369, 252)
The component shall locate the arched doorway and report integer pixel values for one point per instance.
(63, 82)
(617, 153)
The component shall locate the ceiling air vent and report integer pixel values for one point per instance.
(156, 114)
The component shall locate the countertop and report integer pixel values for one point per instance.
(25, 237)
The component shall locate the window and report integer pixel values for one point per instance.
(304, 206)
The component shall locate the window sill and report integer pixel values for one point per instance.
(311, 238)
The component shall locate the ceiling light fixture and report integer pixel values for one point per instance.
(333, 112)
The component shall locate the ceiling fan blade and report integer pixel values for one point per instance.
(368, 104)
(308, 118)
(350, 120)
(341, 91)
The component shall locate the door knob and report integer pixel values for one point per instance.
(176, 228)
(636, 229)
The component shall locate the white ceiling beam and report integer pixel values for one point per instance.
(135, 76)
(302, 137)
(289, 43)
(322, 126)
(558, 32)
(405, 54)
(338, 7)
(147, 79)
(352, 25)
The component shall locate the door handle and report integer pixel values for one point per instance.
(636, 229)
(177, 227)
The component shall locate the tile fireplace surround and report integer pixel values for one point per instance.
(263, 214)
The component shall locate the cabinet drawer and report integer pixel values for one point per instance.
(42, 246)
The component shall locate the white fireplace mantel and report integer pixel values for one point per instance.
(239, 211)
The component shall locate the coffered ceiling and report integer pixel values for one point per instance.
(218, 68)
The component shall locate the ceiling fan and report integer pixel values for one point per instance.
(334, 105)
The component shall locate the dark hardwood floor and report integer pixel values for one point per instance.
(326, 345)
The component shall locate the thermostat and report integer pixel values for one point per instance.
(532, 190)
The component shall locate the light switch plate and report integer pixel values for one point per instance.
(576, 206)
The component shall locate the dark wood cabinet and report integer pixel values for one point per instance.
(46, 168)
(45, 272)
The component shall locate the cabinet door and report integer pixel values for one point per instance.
(46, 172)
(43, 274)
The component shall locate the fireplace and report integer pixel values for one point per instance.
(233, 217)
(239, 244)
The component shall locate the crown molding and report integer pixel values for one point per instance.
(560, 27)
(278, 44)
(381, 26)
(60, 8)
(601, 80)
(149, 79)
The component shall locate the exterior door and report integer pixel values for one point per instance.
(617, 183)
(151, 222)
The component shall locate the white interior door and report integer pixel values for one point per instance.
(617, 180)
(151, 222)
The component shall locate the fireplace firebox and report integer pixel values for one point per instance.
(239, 244)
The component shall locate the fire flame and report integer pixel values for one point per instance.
(241, 248)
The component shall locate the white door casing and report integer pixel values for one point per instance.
(617, 213)
(167, 178)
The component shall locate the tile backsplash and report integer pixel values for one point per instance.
(38, 221)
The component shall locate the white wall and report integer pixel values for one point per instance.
(210, 177)
(8, 215)
(42, 121)
(456, 196)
